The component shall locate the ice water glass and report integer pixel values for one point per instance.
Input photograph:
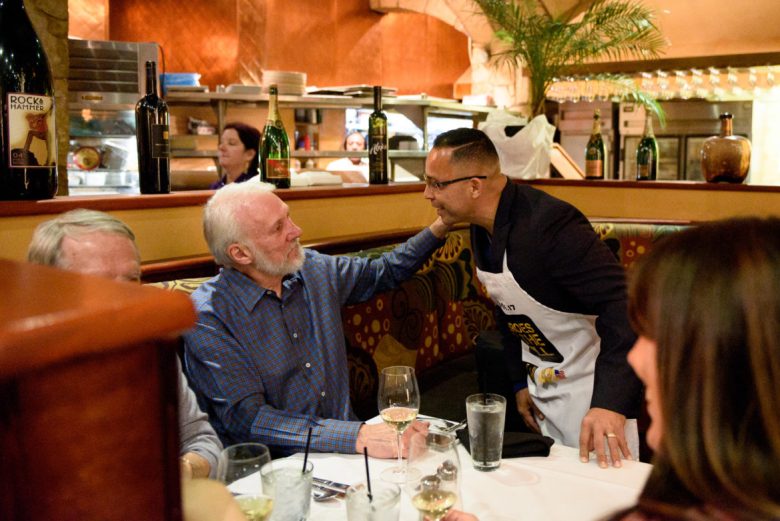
(486, 413)
(384, 505)
(291, 485)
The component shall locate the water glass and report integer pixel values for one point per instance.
(239, 468)
(290, 484)
(385, 503)
(486, 413)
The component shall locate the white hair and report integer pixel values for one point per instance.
(46, 245)
(221, 228)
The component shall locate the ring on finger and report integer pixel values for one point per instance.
(611, 435)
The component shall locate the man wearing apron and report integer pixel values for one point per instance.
(560, 293)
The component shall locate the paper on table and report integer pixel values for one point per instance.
(314, 178)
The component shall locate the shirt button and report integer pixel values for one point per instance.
(295, 335)
(308, 365)
(323, 394)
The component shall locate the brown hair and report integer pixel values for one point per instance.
(710, 299)
(250, 138)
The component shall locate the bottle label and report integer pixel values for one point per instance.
(377, 155)
(161, 143)
(643, 169)
(277, 168)
(594, 168)
(31, 136)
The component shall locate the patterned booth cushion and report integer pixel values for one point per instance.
(629, 241)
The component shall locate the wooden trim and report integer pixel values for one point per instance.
(188, 198)
(651, 185)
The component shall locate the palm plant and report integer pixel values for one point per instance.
(547, 44)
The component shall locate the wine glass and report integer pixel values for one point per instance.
(436, 489)
(238, 467)
(398, 401)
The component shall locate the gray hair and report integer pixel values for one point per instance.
(221, 228)
(46, 245)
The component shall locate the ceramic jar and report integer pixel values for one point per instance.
(725, 158)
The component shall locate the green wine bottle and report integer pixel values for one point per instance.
(647, 154)
(595, 151)
(377, 142)
(275, 151)
(28, 146)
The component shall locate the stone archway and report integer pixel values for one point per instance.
(506, 84)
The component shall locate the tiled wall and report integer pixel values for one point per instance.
(336, 42)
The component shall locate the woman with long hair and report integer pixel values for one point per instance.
(705, 303)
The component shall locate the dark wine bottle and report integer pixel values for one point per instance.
(275, 152)
(28, 146)
(377, 142)
(154, 145)
(595, 151)
(647, 153)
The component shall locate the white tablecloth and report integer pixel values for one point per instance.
(556, 488)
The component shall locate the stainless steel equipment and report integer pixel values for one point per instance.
(105, 81)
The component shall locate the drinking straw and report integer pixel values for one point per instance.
(368, 475)
(306, 453)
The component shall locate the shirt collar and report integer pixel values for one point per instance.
(249, 293)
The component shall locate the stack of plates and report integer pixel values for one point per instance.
(288, 82)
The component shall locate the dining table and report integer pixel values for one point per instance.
(558, 487)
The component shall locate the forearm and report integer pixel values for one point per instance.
(196, 434)
(616, 386)
(287, 432)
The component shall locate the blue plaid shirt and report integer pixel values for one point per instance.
(266, 369)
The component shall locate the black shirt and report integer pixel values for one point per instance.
(556, 257)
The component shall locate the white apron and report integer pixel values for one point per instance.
(561, 349)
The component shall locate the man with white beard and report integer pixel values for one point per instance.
(267, 355)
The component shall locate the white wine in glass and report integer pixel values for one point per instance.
(239, 468)
(398, 401)
(433, 457)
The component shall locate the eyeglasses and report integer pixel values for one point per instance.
(438, 185)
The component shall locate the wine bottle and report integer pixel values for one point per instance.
(275, 152)
(647, 153)
(377, 142)
(595, 151)
(154, 146)
(28, 147)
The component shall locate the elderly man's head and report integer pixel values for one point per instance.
(248, 227)
(87, 241)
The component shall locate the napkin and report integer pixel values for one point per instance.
(517, 444)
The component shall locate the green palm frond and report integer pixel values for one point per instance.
(545, 45)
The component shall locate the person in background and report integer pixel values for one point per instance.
(267, 356)
(239, 154)
(560, 298)
(95, 243)
(706, 305)
(353, 142)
